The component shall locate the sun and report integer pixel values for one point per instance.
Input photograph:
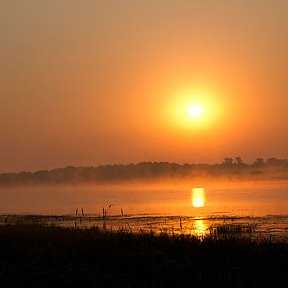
(195, 111)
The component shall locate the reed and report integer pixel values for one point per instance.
(180, 223)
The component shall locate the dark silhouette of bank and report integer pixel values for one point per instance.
(230, 168)
(45, 256)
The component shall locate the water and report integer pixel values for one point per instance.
(171, 206)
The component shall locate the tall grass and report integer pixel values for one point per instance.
(41, 255)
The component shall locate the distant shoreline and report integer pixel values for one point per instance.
(230, 169)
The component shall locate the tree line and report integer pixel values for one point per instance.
(144, 170)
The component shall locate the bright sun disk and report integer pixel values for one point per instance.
(195, 111)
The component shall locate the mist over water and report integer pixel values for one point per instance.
(201, 198)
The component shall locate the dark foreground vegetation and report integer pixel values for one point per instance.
(45, 256)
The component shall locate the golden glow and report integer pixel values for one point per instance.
(200, 227)
(195, 110)
(198, 197)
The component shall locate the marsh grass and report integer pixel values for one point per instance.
(43, 255)
(232, 230)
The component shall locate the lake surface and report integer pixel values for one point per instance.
(167, 206)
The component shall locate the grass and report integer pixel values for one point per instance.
(232, 230)
(45, 256)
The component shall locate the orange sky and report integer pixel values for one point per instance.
(95, 82)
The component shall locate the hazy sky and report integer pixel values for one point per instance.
(93, 82)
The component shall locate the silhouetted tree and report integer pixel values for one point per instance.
(239, 161)
(276, 162)
(259, 162)
(228, 161)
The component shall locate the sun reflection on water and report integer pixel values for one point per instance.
(200, 227)
(198, 197)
